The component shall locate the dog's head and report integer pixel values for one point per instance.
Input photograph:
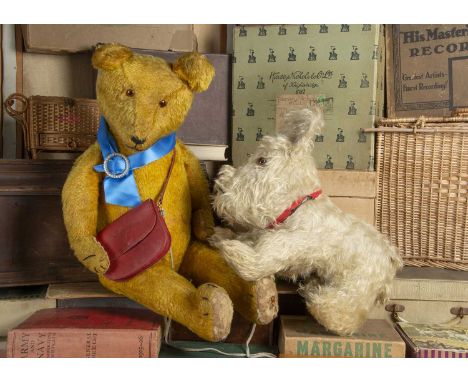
(281, 170)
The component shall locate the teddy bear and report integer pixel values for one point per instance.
(143, 100)
(286, 226)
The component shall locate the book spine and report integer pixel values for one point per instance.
(83, 343)
(316, 347)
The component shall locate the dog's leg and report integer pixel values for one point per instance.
(340, 307)
(270, 254)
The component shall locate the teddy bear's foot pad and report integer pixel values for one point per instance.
(216, 308)
(267, 300)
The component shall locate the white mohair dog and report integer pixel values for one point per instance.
(346, 265)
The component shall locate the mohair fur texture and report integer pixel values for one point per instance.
(145, 97)
(345, 265)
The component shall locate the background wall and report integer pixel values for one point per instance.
(66, 75)
(9, 86)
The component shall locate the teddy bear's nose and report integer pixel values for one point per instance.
(136, 140)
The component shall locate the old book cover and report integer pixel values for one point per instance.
(434, 341)
(86, 333)
(340, 66)
(209, 152)
(302, 336)
(426, 70)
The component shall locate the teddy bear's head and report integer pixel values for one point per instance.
(144, 98)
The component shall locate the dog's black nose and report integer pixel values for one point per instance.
(137, 141)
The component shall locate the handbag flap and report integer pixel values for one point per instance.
(128, 230)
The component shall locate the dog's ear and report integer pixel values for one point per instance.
(301, 126)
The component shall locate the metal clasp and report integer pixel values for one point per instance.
(121, 174)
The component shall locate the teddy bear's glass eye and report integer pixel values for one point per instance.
(261, 161)
(163, 103)
(130, 92)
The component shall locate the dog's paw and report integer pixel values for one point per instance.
(220, 234)
(242, 258)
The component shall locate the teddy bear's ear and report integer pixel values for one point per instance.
(195, 70)
(110, 56)
(301, 126)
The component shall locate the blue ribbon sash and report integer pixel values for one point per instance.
(119, 184)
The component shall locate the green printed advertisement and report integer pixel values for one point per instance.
(340, 66)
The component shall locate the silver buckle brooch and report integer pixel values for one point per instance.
(120, 174)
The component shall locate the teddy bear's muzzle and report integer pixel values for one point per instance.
(137, 140)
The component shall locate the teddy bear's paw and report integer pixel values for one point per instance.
(202, 224)
(216, 308)
(266, 297)
(94, 256)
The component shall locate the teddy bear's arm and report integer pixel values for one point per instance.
(80, 196)
(202, 215)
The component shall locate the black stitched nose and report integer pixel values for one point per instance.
(137, 140)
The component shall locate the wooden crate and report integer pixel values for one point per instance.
(33, 241)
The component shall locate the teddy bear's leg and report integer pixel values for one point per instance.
(207, 310)
(340, 307)
(257, 301)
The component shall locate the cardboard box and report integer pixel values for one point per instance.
(427, 69)
(434, 341)
(427, 294)
(341, 66)
(70, 75)
(458, 91)
(352, 191)
(301, 336)
(211, 38)
(362, 208)
(68, 38)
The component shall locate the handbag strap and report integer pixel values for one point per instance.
(166, 181)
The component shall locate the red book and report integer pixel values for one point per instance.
(86, 333)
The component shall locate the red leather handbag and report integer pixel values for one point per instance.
(137, 239)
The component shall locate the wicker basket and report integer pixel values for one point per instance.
(422, 206)
(55, 124)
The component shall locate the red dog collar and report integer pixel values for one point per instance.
(293, 207)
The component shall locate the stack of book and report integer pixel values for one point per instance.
(86, 333)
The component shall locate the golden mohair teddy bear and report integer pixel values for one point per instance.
(143, 99)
